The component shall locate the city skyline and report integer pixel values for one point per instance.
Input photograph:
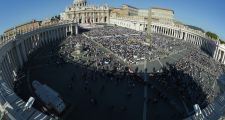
(196, 14)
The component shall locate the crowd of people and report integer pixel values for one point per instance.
(131, 46)
(204, 71)
(194, 75)
(130, 50)
(110, 31)
(89, 54)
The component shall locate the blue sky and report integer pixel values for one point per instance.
(207, 14)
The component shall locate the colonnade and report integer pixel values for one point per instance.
(167, 31)
(187, 35)
(15, 53)
(178, 33)
(219, 53)
(91, 17)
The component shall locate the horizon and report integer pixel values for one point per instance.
(194, 15)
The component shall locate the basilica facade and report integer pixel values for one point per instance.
(81, 12)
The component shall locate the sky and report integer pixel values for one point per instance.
(206, 14)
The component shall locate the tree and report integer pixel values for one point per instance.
(222, 42)
(212, 35)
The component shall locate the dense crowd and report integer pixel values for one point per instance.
(89, 55)
(194, 76)
(131, 46)
(195, 81)
(129, 49)
(204, 71)
(110, 31)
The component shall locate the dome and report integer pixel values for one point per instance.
(79, 1)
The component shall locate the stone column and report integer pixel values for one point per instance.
(39, 40)
(51, 36)
(48, 37)
(19, 56)
(24, 51)
(9, 76)
(76, 29)
(161, 30)
(222, 57)
(187, 37)
(219, 55)
(4, 72)
(98, 18)
(223, 61)
(44, 38)
(30, 43)
(169, 32)
(1, 73)
(83, 18)
(57, 34)
(34, 42)
(181, 35)
(15, 58)
(216, 52)
(71, 28)
(9, 67)
(25, 43)
(175, 33)
(164, 31)
(11, 57)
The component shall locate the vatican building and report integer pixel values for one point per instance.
(81, 12)
(111, 63)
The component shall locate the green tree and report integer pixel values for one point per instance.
(212, 35)
(222, 42)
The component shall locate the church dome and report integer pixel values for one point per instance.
(79, 1)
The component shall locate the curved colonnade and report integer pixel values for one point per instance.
(14, 54)
(188, 35)
(220, 53)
